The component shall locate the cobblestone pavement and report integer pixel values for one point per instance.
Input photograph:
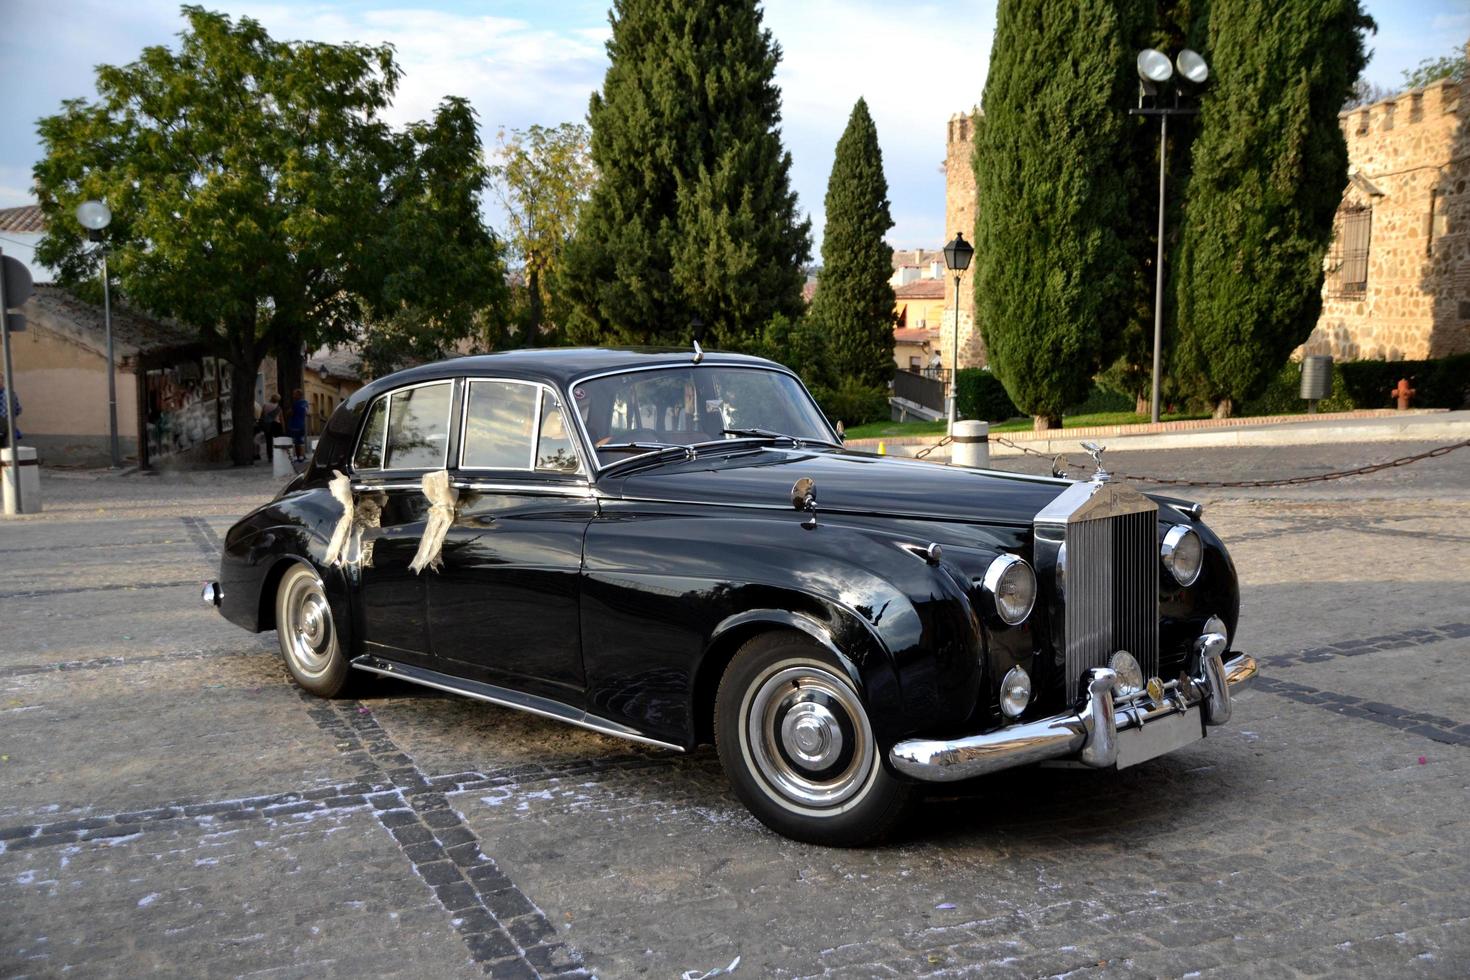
(170, 803)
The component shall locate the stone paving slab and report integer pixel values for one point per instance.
(170, 803)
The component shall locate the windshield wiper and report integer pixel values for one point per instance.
(763, 434)
(648, 452)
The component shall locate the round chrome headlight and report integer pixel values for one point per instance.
(1130, 675)
(1012, 583)
(1015, 692)
(1183, 553)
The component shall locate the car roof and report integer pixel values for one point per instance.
(561, 366)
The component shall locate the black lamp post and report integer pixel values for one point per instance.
(1154, 71)
(957, 259)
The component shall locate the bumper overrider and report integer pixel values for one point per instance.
(1102, 733)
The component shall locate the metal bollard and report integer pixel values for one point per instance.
(30, 481)
(972, 444)
(281, 454)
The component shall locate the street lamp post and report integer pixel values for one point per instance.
(957, 259)
(95, 216)
(1154, 70)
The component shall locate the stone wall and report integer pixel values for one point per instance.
(1409, 163)
(959, 216)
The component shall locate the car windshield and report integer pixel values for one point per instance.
(686, 406)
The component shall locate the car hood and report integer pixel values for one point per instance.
(848, 482)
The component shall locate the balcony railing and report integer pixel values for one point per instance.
(927, 389)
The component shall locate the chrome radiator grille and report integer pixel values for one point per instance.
(1099, 540)
(1111, 593)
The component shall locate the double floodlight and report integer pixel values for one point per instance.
(1155, 68)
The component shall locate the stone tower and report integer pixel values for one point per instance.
(959, 216)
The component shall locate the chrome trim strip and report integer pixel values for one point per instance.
(597, 466)
(549, 489)
(505, 697)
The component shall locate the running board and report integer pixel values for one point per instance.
(506, 698)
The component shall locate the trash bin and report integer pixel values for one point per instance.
(281, 454)
(1316, 379)
(30, 481)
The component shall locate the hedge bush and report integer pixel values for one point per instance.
(1283, 394)
(852, 403)
(982, 396)
(1441, 383)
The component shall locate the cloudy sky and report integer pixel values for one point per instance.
(522, 62)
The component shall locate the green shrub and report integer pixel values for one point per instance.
(1441, 383)
(1101, 399)
(1283, 394)
(982, 396)
(852, 403)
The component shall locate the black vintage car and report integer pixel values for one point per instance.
(674, 547)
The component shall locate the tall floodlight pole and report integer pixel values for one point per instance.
(1154, 70)
(957, 259)
(95, 216)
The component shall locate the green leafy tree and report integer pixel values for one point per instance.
(854, 302)
(543, 179)
(1269, 166)
(693, 213)
(257, 194)
(1455, 67)
(1055, 250)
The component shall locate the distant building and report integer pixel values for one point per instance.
(330, 376)
(1398, 271)
(959, 218)
(21, 230)
(914, 265)
(917, 314)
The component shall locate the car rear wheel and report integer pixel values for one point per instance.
(308, 634)
(797, 746)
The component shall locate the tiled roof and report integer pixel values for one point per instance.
(27, 217)
(57, 309)
(915, 257)
(336, 362)
(915, 335)
(921, 289)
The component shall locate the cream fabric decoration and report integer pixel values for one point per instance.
(442, 501)
(369, 516)
(341, 488)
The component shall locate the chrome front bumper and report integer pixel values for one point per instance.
(1100, 734)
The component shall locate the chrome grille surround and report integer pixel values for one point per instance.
(1098, 543)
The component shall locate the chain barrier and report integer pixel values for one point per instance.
(1248, 484)
(926, 451)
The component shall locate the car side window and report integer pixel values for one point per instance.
(418, 428)
(370, 447)
(554, 450)
(498, 429)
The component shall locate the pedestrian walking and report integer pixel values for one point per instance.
(296, 422)
(8, 405)
(269, 424)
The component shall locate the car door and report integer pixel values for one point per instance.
(405, 435)
(504, 608)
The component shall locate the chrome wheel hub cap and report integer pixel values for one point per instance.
(307, 628)
(810, 734)
(807, 738)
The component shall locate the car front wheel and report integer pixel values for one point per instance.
(308, 634)
(798, 748)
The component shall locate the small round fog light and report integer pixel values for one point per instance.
(1015, 692)
(1183, 554)
(1130, 675)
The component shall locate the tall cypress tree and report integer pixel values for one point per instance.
(1269, 167)
(693, 214)
(854, 303)
(1055, 272)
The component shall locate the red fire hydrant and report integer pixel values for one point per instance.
(1403, 393)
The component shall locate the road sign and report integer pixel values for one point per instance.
(18, 286)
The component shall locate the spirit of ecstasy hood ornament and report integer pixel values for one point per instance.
(1096, 451)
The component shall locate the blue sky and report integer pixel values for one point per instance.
(523, 62)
